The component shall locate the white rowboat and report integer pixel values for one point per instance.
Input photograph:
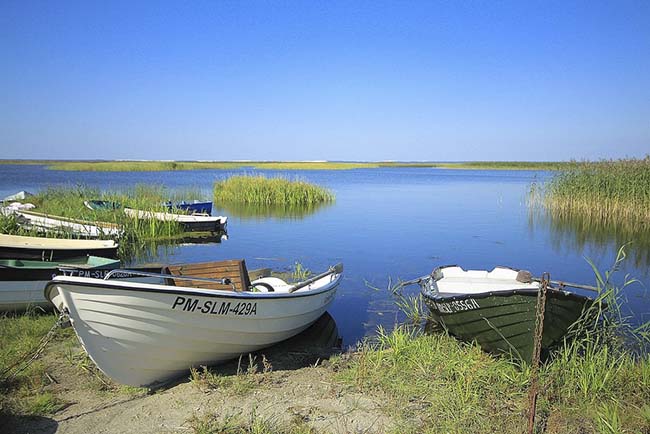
(142, 334)
(190, 222)
(44, 222)
(50, 249)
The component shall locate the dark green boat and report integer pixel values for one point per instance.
(498, 311)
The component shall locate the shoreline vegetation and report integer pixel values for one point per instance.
(137, 235)
(408, 380)
(616, 190)
(259, 190)
(149, 166)
(598, 202)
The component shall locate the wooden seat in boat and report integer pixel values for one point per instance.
(234, 269)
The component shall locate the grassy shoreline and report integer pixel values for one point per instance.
(148, 166)
(422, 383)
(411, 380)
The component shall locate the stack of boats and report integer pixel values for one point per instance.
(192, 216)
(28, 263)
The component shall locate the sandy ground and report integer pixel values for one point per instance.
(308, 394)
(300, 387)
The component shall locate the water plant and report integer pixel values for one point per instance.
(605, 190)
(260, 190)
(68, 201)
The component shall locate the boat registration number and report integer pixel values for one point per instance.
(95, 274)
(211, 307)
(457, 305)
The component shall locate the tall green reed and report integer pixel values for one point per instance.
(260, 190)
(603, 190)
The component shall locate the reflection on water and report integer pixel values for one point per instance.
(144, 251)
(575, 231)
(318, 342)
(256, 211)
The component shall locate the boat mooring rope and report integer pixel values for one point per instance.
(29, 359)
(537, 350)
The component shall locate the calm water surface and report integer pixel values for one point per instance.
(385, 223)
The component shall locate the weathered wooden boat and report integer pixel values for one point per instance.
(194, 207)
(53, 249)
(190, 223)
(141, 334)
(497, 309)
(44, 222)
(22, 281)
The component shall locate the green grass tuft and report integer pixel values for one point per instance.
(609, 190)
(262, 191)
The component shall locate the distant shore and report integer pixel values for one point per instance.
(167, 165)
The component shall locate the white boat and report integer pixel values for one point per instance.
(143, 334)
(22, 280)
(21, 195)
(51, 249)
(88, 229)
(191, 223)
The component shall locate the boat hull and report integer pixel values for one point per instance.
(190, 223)
(44, 223)
(52, 249)
(504, 321)
(192, 207)
(22, 289)
(48, 254)
(145, 334)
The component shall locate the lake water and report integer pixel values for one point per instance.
(385, 223)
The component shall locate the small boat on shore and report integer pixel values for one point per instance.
(190, 223)
(144, 334)
(101, 205)
(194, 207)
(20, 196)
(44, 222)
(22, 281)
(497, 309)
(53, 249)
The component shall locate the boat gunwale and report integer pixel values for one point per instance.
(441, 297)
(168, 289)
(98, 224)
(46, 243)
(507, 293)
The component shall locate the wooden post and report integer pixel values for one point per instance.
(537, 350)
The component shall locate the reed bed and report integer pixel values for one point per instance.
(141, 166)
(148, 166)
(260, 190)
(609, 190)
(510, 165)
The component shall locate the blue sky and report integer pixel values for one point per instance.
(307, 80)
